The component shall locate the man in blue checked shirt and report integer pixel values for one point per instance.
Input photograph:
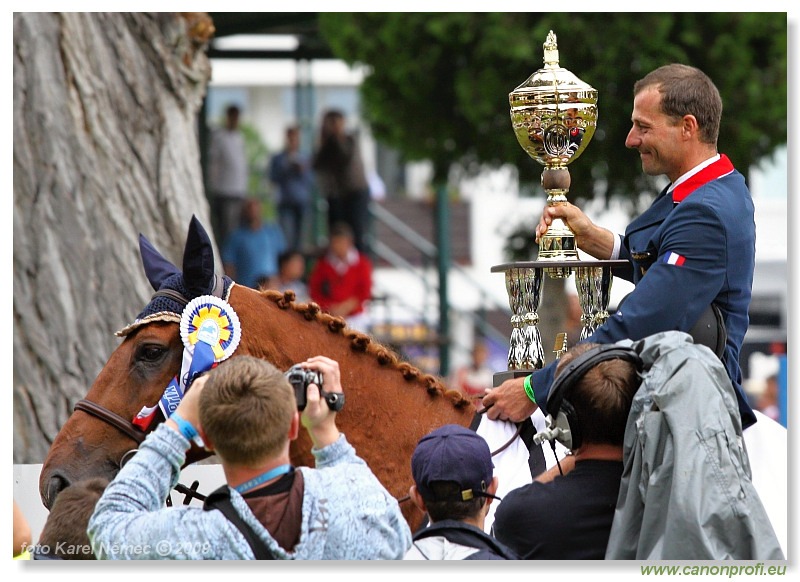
(246, 411)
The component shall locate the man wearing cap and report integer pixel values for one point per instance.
(454, 483)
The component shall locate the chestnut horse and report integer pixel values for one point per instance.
(390, 403)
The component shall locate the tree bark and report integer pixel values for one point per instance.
(105, 147)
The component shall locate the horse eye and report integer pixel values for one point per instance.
(151, 353)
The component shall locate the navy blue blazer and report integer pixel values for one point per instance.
(684, 256)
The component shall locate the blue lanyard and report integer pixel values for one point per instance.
(263, 478)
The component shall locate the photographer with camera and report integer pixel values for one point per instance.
(246, 410)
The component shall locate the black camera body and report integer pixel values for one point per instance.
(300, 378)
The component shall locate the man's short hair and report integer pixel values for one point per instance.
(687, 90)
(64, 533)
(451, 508)
(246, 409)
(452, 469)
(333, 114)
(602, 397)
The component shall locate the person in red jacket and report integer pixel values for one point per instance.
(341, 280)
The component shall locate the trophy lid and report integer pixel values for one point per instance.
(553, 80)
(554, 113)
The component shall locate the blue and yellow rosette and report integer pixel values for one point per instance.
(213, 321)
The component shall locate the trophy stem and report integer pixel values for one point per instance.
(534, 351)
(558, 243)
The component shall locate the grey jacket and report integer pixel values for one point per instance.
(346, 515)
(686, 491)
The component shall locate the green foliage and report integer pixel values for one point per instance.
(257, 154)
(438, 84)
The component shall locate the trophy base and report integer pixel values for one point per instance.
(500, 377)
(549, 264)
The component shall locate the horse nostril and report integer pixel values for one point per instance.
(55, 485)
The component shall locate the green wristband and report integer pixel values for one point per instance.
(529, 389)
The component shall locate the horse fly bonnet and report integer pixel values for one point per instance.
(563, 424)
(173, 287)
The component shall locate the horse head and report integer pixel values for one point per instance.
(100, 432)
(390, 403)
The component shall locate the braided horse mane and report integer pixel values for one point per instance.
(361, 342)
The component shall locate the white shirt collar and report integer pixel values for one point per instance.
(341, 266)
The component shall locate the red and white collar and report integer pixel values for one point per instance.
(703, 173)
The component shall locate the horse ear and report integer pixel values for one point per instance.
(156, 267)
(198, 260)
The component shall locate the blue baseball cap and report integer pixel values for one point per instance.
(453, 453)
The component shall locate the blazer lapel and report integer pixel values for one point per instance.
(657, 212)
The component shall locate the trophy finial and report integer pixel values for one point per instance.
(550, 50)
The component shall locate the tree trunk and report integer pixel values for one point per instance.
(105, 147)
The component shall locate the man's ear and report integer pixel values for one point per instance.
(207, 444)
(689, 126)
(417, 498)
(492, 489)
(294, 427)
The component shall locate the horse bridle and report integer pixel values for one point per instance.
(126, 427)
(100, 412)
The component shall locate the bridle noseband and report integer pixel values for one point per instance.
(126, 427)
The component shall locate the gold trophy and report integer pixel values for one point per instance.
(554, 116)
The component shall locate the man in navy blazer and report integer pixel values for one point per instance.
(694, 246)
